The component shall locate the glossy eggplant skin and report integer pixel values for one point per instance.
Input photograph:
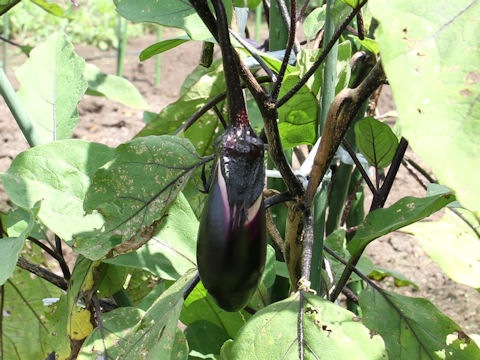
(231, 245)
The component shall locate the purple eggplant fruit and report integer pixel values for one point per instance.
(231, 245)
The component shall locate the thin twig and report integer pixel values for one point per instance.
(61, 261)
(98, 314)
(349, 202)
(381, 195)
(253, 52)
(220, 116)
(421, 170)
(288, 23)
(288, 50)
(350, 295)
(42, 273)
(302, 10)
(359, 166)
(191, 286)
(301, 341)
(322, 56)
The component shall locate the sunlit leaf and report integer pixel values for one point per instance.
(133, 192)
(162, 46)
(51, 85)
(404, 212)
(271, 334)
(171, 251)
(430, 54)
(113, 87)
(453, 245)
(413, 328)
(58, 175)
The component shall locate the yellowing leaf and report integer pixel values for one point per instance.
(79, 326)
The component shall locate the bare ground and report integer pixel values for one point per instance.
(111, 123)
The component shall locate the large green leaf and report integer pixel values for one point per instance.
(200, 306)
(430, 53)
(25, 332)
(153, 335)
(376, 141)
(113, 87)
(404, 212)
(174, 13)
(314, 22)
(51, 85)
(11, 246)
(453, 245)
(330, 332)
(171, 251)
(205, 337)
(58, 175)
(6, 5)
(413, 328)
(133, 192)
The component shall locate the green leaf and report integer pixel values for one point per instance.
(133, 192)
(337, 242)
(10, 247)
(111, 279)
(58, 175)
(51, 85)
(431, 61)
(379, 273)
(199, 305)
(205, 337)
(376, 141)
(413, 328)
(198, 88)
(51, 8)
(271, 333)
(404, 212)
(171, 251)
(6, 5)
(113, 87)
(154, 333)
(314, 22)
(370, 44)
(453, 245)
(25, 333)
(226, 350)
(352, 3)
(162, 46)
(298, 116)
(114, 322)
(173, 13)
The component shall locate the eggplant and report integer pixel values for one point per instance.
(231, 245)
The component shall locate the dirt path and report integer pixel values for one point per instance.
(110, 123)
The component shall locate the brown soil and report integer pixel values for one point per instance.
(111, 123)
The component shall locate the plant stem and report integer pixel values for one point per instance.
(359, 166)
(121, 298)
(321, 58)
(122, 44)
(42, 273)
(18, 111)
(55, 254)
(258, 21)
(330, 68)
(2, 306)
(158, 58)
(6, 34)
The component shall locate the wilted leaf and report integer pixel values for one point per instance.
(171, 252)
(51, 85)
(413, 328)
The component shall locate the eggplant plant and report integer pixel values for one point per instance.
(258, 268)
